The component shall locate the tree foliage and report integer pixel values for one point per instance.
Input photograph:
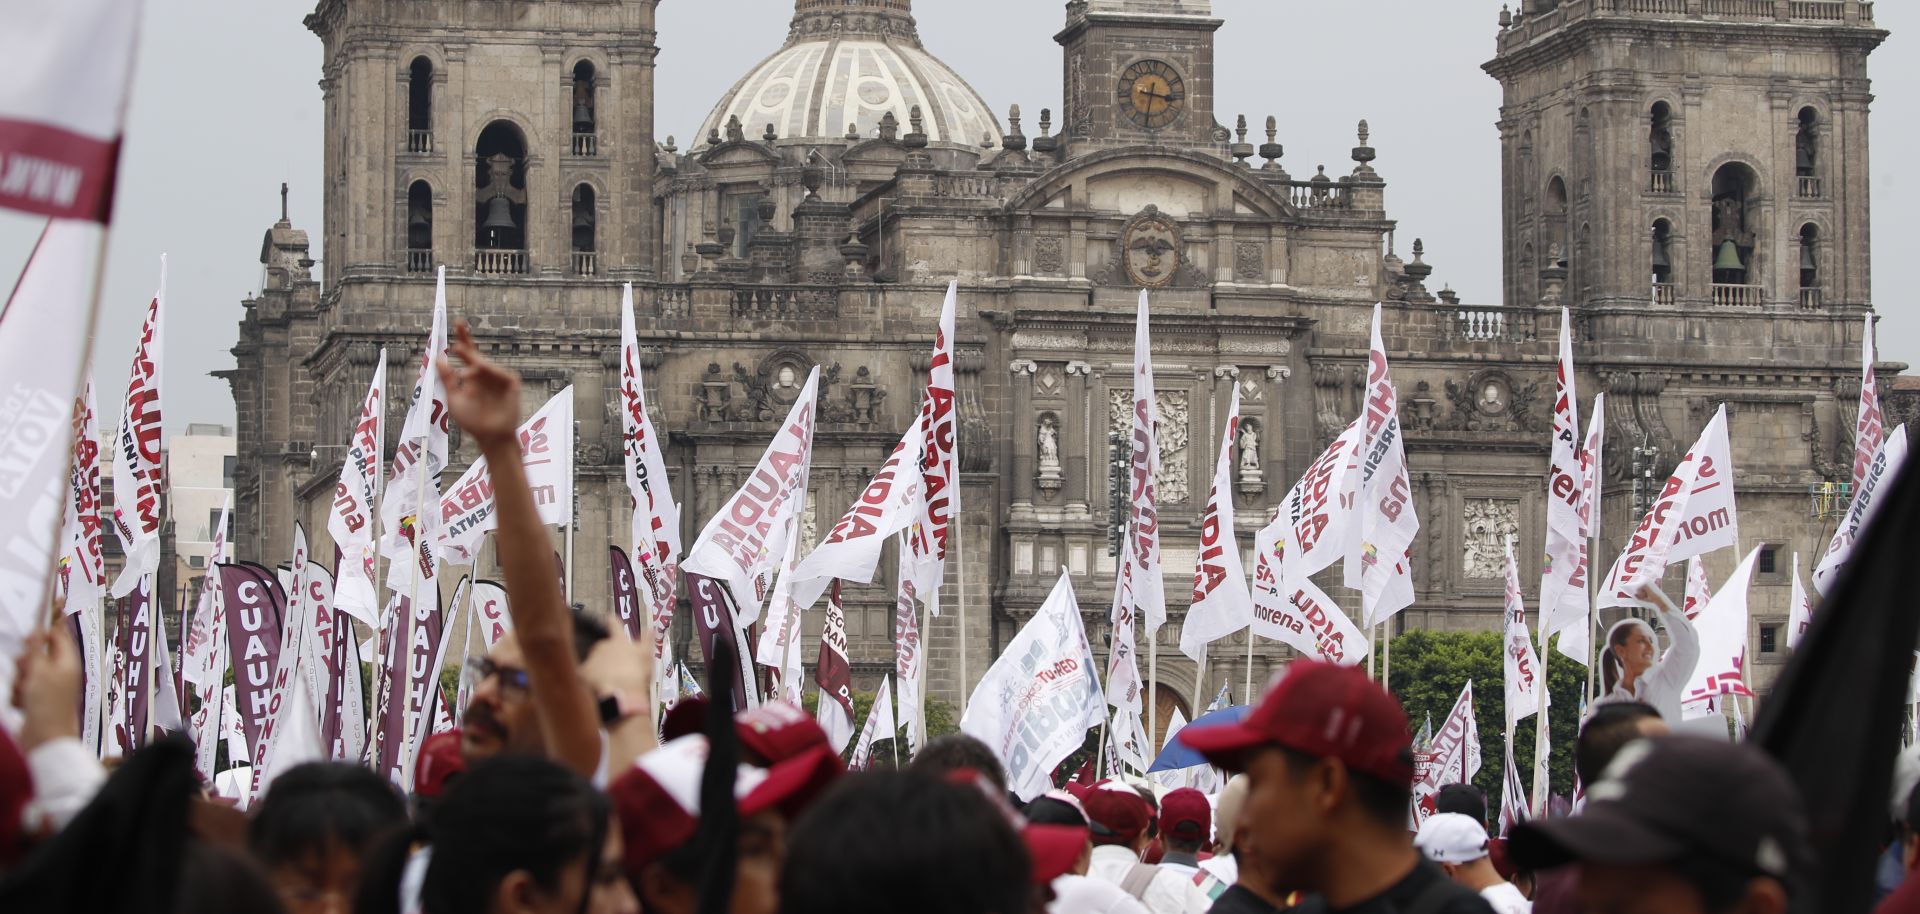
(1430, 669)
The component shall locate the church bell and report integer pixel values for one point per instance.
(582, 118)
(1806, 257)
(1660, 259)
(499, 214)
(1729, 257)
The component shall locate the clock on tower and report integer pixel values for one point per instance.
(1139, 72)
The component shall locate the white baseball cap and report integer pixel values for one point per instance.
(1450, 837)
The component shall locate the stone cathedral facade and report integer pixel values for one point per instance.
(1689, 177)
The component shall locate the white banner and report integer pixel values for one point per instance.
(1146, 589)
(1039, 699)
(1377, 563)
(1799, 609)
(1576, 638)
(546, 450)
(409, 525)
(909, 656)
(939, 466)
(1698, 592)
(880, 726)
(1454, 754)
(1298, 614)
(889, 504)
(744, 541)
(782, 614)
(60, 123)
(1522, 664)
(1124, 686)
(490, 612)
(1317, 520)
(1563, 589)
(1222, 603)
(654, 532)
(82, 557)
(1870, 428)
(1693, 515)
(1127, 743)
(1881, 472)
(354, 496)
(1722, 625)
(92, 650)
(140, 453)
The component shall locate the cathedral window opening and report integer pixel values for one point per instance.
(1556, 222)
(1810, 265)
(420, 106)
(1660, 148)
(1734, 237)
(1662, 262)
(748, 211)
(500, 199)
(584, 230)
(1806, 154)
(586, 140)
(420, 228)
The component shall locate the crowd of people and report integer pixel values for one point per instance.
(560, 793)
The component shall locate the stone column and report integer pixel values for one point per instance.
(1023, 433)
(1274, 461)
(1076, 444)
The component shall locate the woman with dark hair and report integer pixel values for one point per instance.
(1631, 668)
(313, 828)
(517, 834)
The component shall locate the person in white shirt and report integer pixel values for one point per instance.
(1632, 669)
(1074, 892)
(1123, 815)
(1458, 844)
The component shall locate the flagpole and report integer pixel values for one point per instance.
(1153, 690)
(1200, 676)
(958, 528)
(1386, 654)
(1246, 698)
(82, 366)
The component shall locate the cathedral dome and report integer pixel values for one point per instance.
(852, 62)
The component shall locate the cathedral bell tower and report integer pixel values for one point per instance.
(1139, 72)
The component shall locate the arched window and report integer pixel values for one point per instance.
(585, 138)
(500, 199)
(420, 106)
(419, 228)
(1556, 222)
(1806, 154)
(1809, 263)
(1734, 224)
(1662, 259)
(584, 231)
(1660, 148)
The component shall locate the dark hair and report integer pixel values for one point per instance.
(214, 880)
(1464, 799)
(322, 805)
(1610, 670)
(1608, 729)
(1721, 883)
(1385, 803)
(955, 751)
(1049, 811)
(512, 812)
(904, 841)
(587, 632)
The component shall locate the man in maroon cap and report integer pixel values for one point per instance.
(1329, 758)
(1123, 817)
(1186, 826)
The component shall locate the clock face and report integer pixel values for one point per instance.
(1152, 93)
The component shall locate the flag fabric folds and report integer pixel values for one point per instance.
(1144, 589)
(546, 450)
(139, 453)
(1693, 515)
(1522, 665)
(60, 128)
(1036, 703)
(880, 726)
(351, 522)
(939, 466)
(1881, 469)
(1222, 603)
(1376, 563)
(834, 675)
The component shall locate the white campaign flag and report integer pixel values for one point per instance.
(1799, 609)
(490, 612)
(407, 518)
(939, 465)
(909, 655)
(1870, 429)
(1309, 532)
(1299, 614)
(1522, 664)
(880, 726)
(1127, 742)
(1513, 793)
(1124, 686)
(1576, 639)
(1867, 499)
(94, 676)
(1693, 515)
(655, 528)
(1454, 754)
(782, 630)
(354, 496)
(1698, 591)
(1722, 626)
(1146, 589)
(889, 504)
(743, 542)
(1563, 587)
(1039, 699)
(60, 123)
(207, 722)
(82, 565)
(546, 450)
(1222, 603)
(139, 453)
(1377, 563)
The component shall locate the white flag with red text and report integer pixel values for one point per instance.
(1563, 586)
(1377, 563)
(909, 655)
(889, 504)
(351, 522)
(1124, 686)
(1145, 589)
(939, 466)
(1799, 609)
(1576, 638)
(407, 519)
(546, 450)
(1222, 603)
(1309, 532)
(1870, 428)
(880, 726)
(1693, 515)
(1036, 703)
(655, 528)
(1881, 472)
(82, 558)
(1522, 664)
(62, 106)
(139, 453)
(743, 542)
(1454, 755)
(1722, 627)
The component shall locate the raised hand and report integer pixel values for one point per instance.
(47, 689)
(482, 396)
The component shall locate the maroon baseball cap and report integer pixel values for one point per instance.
(1323, 710)
(1119, 808)
(658, 799)
(439, 763)
(777, 731)
(1185, 814)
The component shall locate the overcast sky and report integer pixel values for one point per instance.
(226, 106)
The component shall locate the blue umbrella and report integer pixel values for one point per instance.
(1177, 754)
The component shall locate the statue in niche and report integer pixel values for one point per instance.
(1049, 437)
(1493, 398)
(1249, 450)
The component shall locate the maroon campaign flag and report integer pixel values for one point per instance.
(714, 619)
(138, 685)
(626, 593)
(256, 607)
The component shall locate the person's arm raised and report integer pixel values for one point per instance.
(485, 399)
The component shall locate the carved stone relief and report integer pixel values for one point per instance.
(1485, 526)
(1249, 261)
(1492, 401)
(1049, 257)
(1171, 434)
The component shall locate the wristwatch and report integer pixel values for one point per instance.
(620, 705)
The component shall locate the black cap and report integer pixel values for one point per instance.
(1671, 797)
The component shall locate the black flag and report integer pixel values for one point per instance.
(1835, 716)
